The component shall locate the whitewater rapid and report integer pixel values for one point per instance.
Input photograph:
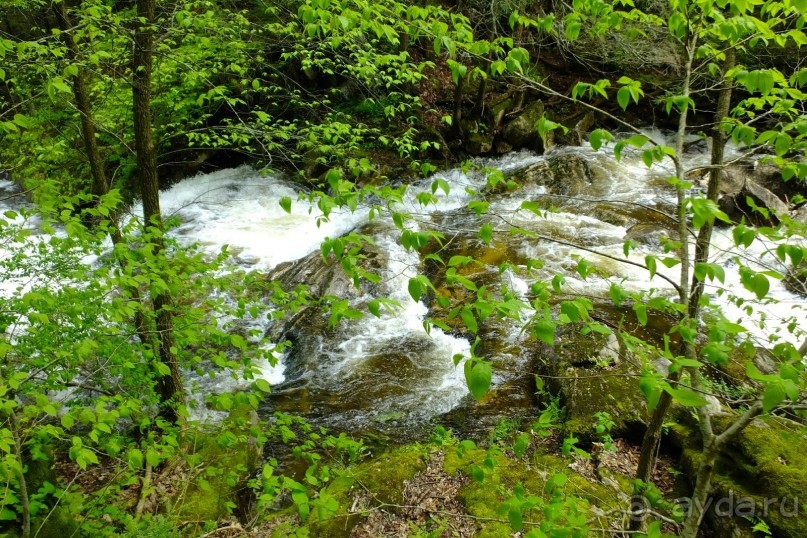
(241, 209)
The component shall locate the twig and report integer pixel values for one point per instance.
(230, 527)
(144, 491)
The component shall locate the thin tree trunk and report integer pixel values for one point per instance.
(170, 387)
(456, 116)
(25, 501)
(100, 184)
(403, 41)
(652, 436)
(481, 93)
(719, 138)
(479, 102)
(703, 486)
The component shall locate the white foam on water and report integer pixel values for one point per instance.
(442, 384)
(241, 208)
(769, 321)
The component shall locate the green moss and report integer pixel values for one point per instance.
(587, 391)
(483, 499)
(60, 523)
(767, 461)
(383, 477)
(226, 458)
(495, 529)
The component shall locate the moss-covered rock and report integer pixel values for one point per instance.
(577, 127)
(478, 143)
(522, 130)
(593, 373)
(228, 456)
(588, 495)
(382, 478)
(763, 473)
(567, 174)
(59, 523)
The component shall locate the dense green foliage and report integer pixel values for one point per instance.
(347, 93)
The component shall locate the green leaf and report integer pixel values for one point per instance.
(521, 445)
(153, 457)
(285, 203)
(514, 516)
(6, 514)
(597, 137)
(686, 397)
(618, 294)
(650, 389)
(134, 458)
(486, 233)
(774, 395)
(623, 97)
(545, 331)
(782, 144)
(263, 385)
(760, 285)
(637, 141)
(415, 289)
(650, 262)
(641, 313)
(374, 306)
(478, 375)
(469, 319)
(572, 30)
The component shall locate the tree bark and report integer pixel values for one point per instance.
(719, 139)
(481, 92)
(169, 386)
(100, 184)
(703, 486)
(652, 436)
(456, 116)
(99, 181)
(25, 501)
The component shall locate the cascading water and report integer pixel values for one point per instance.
(386, 373)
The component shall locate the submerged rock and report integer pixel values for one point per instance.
(567, 174)
(648, 233)
(796, 279)
(307, 327)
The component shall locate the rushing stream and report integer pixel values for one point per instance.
(386, 374)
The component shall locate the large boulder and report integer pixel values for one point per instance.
(577, 127)
(594, 373)
(307, 327)
(478, 143)
(522, 130)
(761, 182)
